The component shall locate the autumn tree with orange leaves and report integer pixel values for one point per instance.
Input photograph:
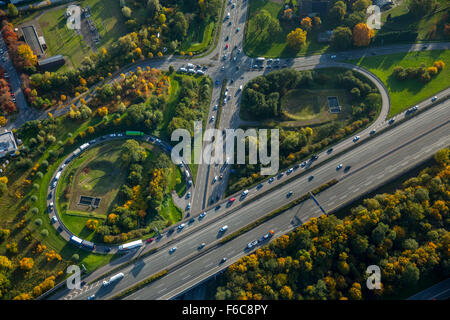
(362, 35)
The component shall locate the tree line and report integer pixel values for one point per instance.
(405, 233)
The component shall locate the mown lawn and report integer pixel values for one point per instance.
(429, 27)
(61, 40)
(404, 94)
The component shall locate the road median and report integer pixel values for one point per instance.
(278, 211)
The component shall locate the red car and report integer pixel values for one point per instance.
(226, 47)
(150, 240)
(232, 199)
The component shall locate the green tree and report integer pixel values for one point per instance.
(442, 156)
(126, 11)
(361, 5)
(12, 11)
(420, 8)
(153, 7)
(337, 12)
(132, 152)
(342, 38)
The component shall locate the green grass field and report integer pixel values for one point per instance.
(404, 94)
(61, 40)
(429, 27)
(303, 107)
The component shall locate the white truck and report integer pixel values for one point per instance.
(131, 245)
(114, 278)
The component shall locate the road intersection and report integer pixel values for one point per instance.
(378, 152)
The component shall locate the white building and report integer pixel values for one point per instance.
(8, 145)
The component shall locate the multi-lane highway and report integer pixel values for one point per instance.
(372, 163)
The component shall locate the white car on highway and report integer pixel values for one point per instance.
(244, 193)
(355, 138)
(252, 244)
(224, 228)
(339, 167)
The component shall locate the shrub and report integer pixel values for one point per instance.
(34, 210)
(38, 222)
(33, 198)
(75, 257)
(44, 232)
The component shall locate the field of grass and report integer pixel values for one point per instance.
(404, 94)
(429, 27)
(303, 107)
(100, 175)
(199, 37)
(275, 46)
(61, 40)
(104, 179)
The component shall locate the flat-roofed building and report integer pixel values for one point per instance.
(32, 39)
(52, 62)
(8, 145)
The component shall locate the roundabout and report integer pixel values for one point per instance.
(87, 187)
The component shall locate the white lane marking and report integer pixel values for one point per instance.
(367, 183)
(333, 197)
(164, 289)
(343, 197)
(331, 203)
(188, 276)
(356, 190)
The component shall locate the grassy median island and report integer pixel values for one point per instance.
(134, 197)
(302, 107)
(313, 110)
(406, 93)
